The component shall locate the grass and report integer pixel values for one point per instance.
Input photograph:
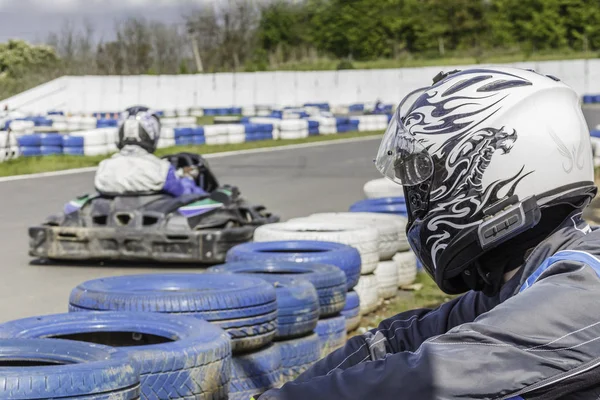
(31, 165)
(429, 296)
(493, 57)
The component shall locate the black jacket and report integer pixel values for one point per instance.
(539, 338)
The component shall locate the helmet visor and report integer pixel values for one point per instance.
(401, 157)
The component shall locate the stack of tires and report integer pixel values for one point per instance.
(40, 144)
(309, 299)
(387, 197)
(380, 283)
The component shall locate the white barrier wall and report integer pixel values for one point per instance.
(110, 93)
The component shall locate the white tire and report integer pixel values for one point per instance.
(363, 238)
(291, 135)
(186, 121)
(367, 289)
(382, 187)
(387, 279)
(168, 122)
(391, 229)
(406, 263)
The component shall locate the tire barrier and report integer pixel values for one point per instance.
(591, 99)
(368, 293)
(391, 228)
(332, 333)
(328, 280)
(406, 263)
(243, 306)
(179, 357)
(351, 311)
(387, 279)
(382, 187)
(344, 257)
(65, 369)
(297, 300)
(298, 355)
(363, 238)
(255, 373)
(386, 205)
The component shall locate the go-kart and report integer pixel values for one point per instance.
(153, 226)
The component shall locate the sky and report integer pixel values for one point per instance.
(33, 20)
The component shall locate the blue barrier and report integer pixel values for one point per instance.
(356, 107)
(107, 123)
(595, 133)
(50, 150)
(74, 151)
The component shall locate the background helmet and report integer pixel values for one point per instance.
(139, 126)
(480, 154)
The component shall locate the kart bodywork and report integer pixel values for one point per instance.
(152, 227)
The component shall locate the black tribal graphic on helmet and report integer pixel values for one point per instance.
(451, 126)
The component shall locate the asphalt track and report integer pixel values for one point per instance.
(292, 183)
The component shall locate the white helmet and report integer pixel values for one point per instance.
(139, 126)
(481, 154)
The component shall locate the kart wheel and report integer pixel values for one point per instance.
(391, 228)
(242, 305)
(179, 357)
(65, 369)
(351, 311)
(332, 334)
(382, 187)
(255, 373)
(328, 280)
(406, 262)
(342, 256)
(298, 355)
(363, 238)
(387, 279)
(368, 294)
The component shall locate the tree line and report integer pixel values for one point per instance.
(246, 35)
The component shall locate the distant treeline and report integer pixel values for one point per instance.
(245, 35)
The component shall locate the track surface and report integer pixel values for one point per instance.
(292, 183)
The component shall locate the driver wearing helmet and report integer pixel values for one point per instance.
(135, 170)
(496, 167)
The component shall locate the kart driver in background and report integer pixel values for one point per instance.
(496, 167)
(135, 170)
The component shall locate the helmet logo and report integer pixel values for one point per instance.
(573, 156)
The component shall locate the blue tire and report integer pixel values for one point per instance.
(73, 141)
(351, 311)
(51, 139)
(329, 280)
(255, 373)
(297, 304)
(244, 306)
(27, 151)
(347, 258)
(332, 334)
(386, 205)
(65, 369)
(298, 355)
(51, 150)
(179, 357)
(34, 140)
(74, 151)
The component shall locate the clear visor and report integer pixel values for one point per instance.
(401, 157)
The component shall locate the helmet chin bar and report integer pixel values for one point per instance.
(502, 222)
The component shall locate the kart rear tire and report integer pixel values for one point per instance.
(65, 369)
(255, 373)
(367, 290)
(328, 280)
(387, 279)
(391, 228)
(194, 361)
(351, 311)
(298, 355)
(332, 334)
(345, 257)
(244, 306)
(363, 238)
(382, 187)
